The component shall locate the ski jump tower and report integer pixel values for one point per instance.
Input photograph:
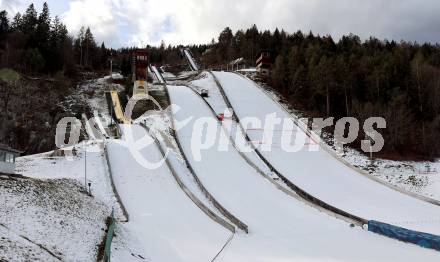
(190, 58)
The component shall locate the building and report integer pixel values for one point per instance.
(139, 65)
(140, 72)
(237, 64)
(264, 63)
(7, 159)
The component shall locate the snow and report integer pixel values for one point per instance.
(193, 64)
(68, 173)
(168, 225)
(280, 227)
(47, 166)
(13, 247)
(411, 176)
(215, 99)
(236, 61)
(108, 77)
(321, 175)
(97, 102)
(40, 212)
(218, 104)
(43, 214)
(248, 70)
(168, 75)
(158, 75)
(159, 122)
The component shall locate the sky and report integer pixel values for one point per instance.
(140, 22)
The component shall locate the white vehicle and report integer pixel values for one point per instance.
(204, 93)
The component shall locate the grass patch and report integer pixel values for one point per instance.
(8, 75)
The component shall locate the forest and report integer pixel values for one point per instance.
(317, 75)
(35, 43)
(321, 77)
(41, 65)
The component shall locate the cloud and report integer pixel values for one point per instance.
(141, 22)
(11, 6)
(96, 14)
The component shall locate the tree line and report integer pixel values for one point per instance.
(40, 67)
(35, 44)
(399, 81)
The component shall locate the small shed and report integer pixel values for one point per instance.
(7, 159)
(238, 63)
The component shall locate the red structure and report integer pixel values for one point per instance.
(140, 65)
(264, 63)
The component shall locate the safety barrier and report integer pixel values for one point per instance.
(208, 195)
(410, 236)
(124, 210)
(303, 194)
(109, 238)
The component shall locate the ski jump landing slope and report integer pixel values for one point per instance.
(158, 75)
(169, 226)
(190, 59)
(280, 227)
(320, 174)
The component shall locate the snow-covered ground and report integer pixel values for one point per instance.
(15, 247)
(51, 166)
(94, 93)
(215, 98)
(49, 216)
(168, 75)
(280, 227)
(159, 121)
(409, 175)
(320, 174)
(247, 70)
(48, 166)
(219, 106)
(420, 177)
(168, 225)
(54, 220)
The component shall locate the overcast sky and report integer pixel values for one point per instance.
(140, 22)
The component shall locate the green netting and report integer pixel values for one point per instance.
(108, 241)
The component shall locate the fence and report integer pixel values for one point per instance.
(410, 236)
(115, 191)
(109, 238)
